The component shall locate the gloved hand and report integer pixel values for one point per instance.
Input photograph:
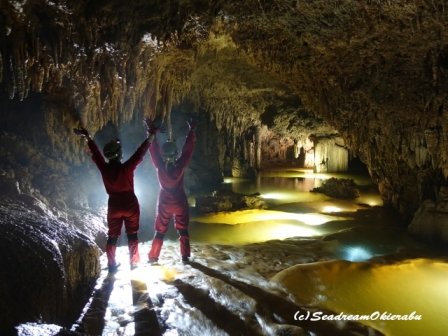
(149, 123)
(154, 126)
(82, 132)
(159, 129)
(193, 123)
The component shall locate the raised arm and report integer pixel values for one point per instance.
(188, 146)
(156, 155)
(154, 149)
(97, 157)
(140, 153)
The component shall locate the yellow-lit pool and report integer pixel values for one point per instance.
(293, 210)
(408, 298)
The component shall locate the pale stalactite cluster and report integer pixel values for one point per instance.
(169, 82)
(305, 148)
(330, 156)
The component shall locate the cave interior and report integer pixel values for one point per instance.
(330, 86)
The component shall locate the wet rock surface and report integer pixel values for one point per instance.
(227, 200)
(48, 267)
(430, 222)
(339, 188)
(224, 290)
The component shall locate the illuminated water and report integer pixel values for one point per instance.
(415, 287)
(286, 253)
(293, 209)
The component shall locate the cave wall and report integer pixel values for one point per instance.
(370, 72)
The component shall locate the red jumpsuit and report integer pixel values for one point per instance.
(123, 205)
(172, 199)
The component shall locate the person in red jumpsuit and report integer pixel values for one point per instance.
(123, 205)
(172, 200)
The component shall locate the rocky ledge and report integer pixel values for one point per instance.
(49, 268)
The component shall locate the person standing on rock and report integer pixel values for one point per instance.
(172, 200)
(122, 205)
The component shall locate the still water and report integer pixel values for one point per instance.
(292, 209)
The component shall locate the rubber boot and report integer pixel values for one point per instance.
(156, 247)
(134, 256)
(184, 246)
(110, 252)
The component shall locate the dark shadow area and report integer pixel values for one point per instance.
(356, 166)
(301, 158)
(217, 313)
(93, 321)
(267, 117)
(146, 322)
(283, 311)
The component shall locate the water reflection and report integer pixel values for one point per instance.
(285, 186)
(362, 289)
(293, 210)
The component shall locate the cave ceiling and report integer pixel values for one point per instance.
(373, 72)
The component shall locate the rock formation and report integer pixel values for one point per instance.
(223, 200)
(48, 268)
(339, 188)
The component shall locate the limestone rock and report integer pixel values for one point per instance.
(48, 268)
(34, 204)
(339, 188)
(227, 200)
(430, 222)
(9, 187)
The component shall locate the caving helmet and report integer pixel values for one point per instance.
(112, 150)
(169, 151)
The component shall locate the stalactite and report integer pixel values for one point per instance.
(157, 75)
(168, 100)
(1, 67)
(28, 79)
(18, 70)
(258, 147)
(11, 81)
(330, 157)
